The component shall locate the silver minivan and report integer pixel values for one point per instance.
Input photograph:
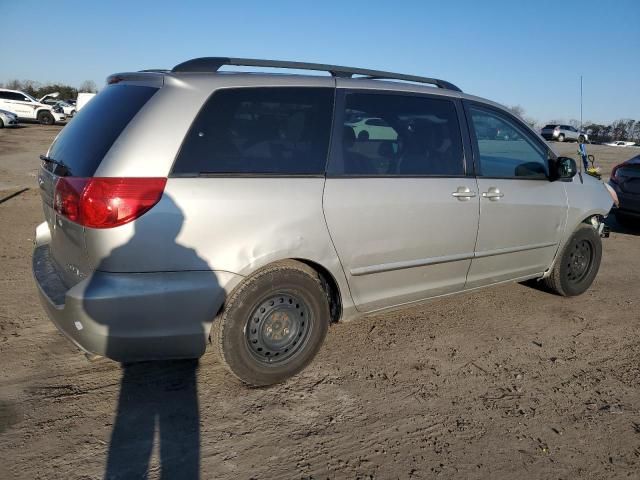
(258, 215)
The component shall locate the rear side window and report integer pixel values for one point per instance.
(388, 135)
(505, 149)
(277, 131)
(87, 138)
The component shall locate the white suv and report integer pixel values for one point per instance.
(28, 108)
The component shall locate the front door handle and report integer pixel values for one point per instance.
(493, 194)
(463, 193)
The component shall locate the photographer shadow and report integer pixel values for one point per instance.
(158, 400)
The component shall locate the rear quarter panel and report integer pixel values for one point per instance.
(231, 224)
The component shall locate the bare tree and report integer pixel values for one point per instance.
(619, 128)
(88, 86)
(14, 85)
(519, 111)
(635, 136)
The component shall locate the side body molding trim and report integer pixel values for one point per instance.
(389, 267)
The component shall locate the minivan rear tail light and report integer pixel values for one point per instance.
(106, 202)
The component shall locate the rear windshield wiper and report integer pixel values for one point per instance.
(65, 169)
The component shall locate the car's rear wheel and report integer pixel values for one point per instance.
(45, 118)
(561, 137)
(581, 139)
(1, 123)
(273, 324)
(578, 263)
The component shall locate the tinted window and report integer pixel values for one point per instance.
(260, 131)
(4, 95)
(83, 143)
(399, 135)
(13, 96)
(504, 147)
(550, 126)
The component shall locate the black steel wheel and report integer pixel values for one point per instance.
(577, 264)
(279, 328)
(580, 260)
(273, 323)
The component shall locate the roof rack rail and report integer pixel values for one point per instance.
(213, 64)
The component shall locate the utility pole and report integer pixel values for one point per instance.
(580, 102)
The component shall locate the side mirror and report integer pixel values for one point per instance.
(566, 168)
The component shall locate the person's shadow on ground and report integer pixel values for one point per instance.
(158, 396)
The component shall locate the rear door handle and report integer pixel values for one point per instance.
(463, 193)
(493, 194)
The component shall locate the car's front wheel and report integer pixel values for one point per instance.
(561, 137)
(273, 324)
(577, 264)
(581, 139)
(45, 118)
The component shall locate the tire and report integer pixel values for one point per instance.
(45, 118)
(561, 137)
(363, 135)
(287, 304)
(581, 139)
(577, 264)
(1, 123)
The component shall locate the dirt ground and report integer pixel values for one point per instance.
(505, 383)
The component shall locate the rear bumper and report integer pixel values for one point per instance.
(133, 316)
(629, 204)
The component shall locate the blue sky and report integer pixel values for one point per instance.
(527, 53)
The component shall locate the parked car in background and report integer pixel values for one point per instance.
(255, 218)
(563, 133)
(8, 119)
(374, 128)
(28, 108)
(620, 144)
(625, 180)
(83, 99)
(52, 99)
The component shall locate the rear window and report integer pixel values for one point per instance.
(274, 131)
(87, 138)
(550, 126)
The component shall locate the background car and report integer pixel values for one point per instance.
(28, 108)
(8, 119)
(563, 133)
(374, 128)
(52, 99)
(620, 144)
(625, 180)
